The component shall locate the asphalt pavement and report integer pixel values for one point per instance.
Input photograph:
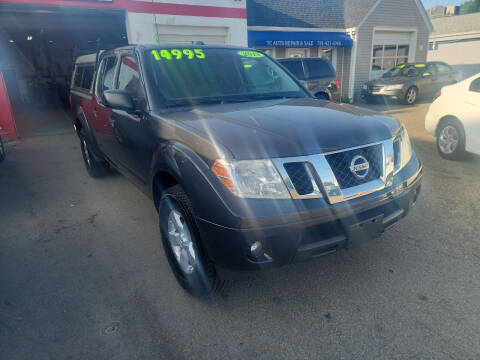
(83, 274)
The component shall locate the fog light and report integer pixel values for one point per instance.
(256, 249)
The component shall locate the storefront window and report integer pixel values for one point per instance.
(385, 57)
(268, 51)
(297, 52)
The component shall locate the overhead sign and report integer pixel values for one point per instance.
(300, 39)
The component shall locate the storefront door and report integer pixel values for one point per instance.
(297, 52)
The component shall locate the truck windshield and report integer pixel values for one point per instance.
(183, 76)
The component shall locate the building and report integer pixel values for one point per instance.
(39, 39)
(362, 38)
(440, 11)
(456, 40)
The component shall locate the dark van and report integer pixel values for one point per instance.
(318, 75)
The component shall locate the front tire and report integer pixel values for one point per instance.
(411, 96)
(95, 168)
(181, 243)
(451, 140)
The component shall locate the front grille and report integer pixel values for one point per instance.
(396, 153)
(340, 165)
(300, 177)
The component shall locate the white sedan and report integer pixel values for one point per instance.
(454, 118)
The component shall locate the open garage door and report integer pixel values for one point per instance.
(391, 48)
(38, 45)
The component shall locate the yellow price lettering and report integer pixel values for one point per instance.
(189, 53)
(250, 54)
(156, 55)
(199, 53)
(177, 54)
(165, 54)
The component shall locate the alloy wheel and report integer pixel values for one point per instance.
(448, 139)
(411, 96)
(180, 241)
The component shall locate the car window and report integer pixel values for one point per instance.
(475, 85)
(87, 76)
(431, 68)
(296, 68)
(402, 70)
(129, 79)
(443, 68)
(181, 76)
(319, 68)
(77, 82)
(106, 75)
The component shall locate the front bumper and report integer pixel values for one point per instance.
(324, 231)
(396, 94)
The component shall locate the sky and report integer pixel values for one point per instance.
(431, 3)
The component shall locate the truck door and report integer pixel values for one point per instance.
(101, 114)
(134, 141)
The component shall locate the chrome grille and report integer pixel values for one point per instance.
(340, 164)
(396, 153)
(300, 177)
(329, 175)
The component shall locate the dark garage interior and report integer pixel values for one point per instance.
(38, 47)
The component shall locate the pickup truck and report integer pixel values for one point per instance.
(247, 170)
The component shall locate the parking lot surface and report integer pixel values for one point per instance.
(83, 274)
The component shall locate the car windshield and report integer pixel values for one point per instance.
(182, 76)
(404, 70)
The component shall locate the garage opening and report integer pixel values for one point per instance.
(391, 48)
(38, 46)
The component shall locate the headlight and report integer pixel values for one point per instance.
(402, 149)
(393, 87)
(251, 178)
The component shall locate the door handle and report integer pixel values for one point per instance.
(95, 112)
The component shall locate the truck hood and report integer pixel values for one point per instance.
(283, 128)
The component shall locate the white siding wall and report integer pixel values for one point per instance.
(389, 13)
(463, 56)
(142, 29)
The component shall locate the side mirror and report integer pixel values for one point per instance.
(119, 99)
(427, 74)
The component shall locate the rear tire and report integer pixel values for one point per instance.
(95, 168)
(451, 140)
(181, 243)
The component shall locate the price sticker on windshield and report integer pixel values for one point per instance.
(178, 54)
(250, 54)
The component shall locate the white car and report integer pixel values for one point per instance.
(454, 118)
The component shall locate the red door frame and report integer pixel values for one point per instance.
(8, 129)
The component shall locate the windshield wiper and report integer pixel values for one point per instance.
(228, 99)
(254, 97)
(195, 101)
